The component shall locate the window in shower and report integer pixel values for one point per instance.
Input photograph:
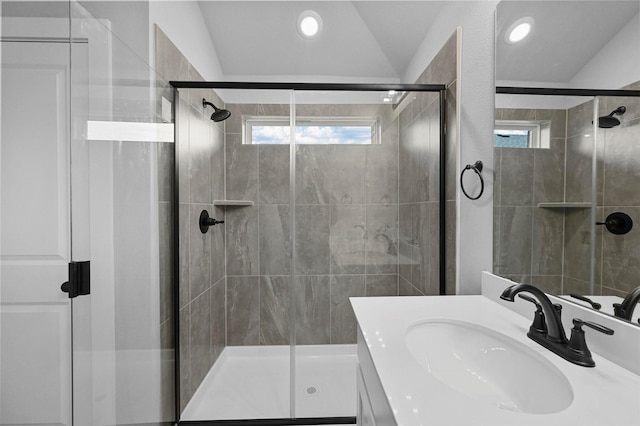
(522, 134)
(312, 130)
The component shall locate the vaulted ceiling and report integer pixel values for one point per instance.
(360, 39)
(374, 41)
(565, 36)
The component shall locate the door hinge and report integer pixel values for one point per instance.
(79, 283)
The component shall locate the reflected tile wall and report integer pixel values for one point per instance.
(528, 240)
(618, 256)
(561, 239)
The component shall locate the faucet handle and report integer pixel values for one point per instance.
(539, 324)
(577, 322)
(594, 305)
(578, 344)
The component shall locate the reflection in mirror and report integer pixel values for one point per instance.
(570, 174)
(545, 229)
(578, 44)
(540, 191)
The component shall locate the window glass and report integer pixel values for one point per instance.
(319, 131)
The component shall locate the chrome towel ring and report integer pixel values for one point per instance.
(476, 167)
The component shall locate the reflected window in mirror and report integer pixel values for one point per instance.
(522, 134)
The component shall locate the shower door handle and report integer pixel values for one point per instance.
(79, 283)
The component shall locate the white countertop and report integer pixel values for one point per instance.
(605, 395)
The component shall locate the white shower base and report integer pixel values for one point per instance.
(252, 382)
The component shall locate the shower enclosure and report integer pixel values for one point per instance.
(327, 191)
(86, 186)
(553, 197)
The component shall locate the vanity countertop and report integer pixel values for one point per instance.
(604, 395)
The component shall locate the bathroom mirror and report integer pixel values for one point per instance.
(547, 198)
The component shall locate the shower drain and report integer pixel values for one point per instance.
(312, 391)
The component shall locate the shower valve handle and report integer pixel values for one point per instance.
(205, 221)
(617, 223)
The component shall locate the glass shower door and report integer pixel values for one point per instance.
(314, 213)
(121, 209)
(238, 170)
(366, 223)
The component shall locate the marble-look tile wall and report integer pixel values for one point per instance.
(419, 209)
(345, 232)
(617, 265)
(551, 248)
(528, 241)
(578, 184)
(200, 144)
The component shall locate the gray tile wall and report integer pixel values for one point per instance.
(618, 256)
(528, 241)
(551, 247)
(419, 151)
(202, 268)
(578, 184)
(346, 230)
(200, 144)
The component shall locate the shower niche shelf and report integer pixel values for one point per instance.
(235, 203)
(564, 205)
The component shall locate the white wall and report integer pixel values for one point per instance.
(476, 93)
(183, 23)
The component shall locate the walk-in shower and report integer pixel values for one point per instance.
(327, 191)
(551, 196)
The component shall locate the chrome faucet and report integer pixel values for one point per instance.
(625, 309)
(547, 329)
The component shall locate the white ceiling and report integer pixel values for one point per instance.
(374, 41)
(565, 36)
(370, 40)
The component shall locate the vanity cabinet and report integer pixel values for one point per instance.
(373, 406)
(365, 415)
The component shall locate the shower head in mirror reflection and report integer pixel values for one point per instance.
(609, 121)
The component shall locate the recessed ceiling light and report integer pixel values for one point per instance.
(519, 30)
(309, 24)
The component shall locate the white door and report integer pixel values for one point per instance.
(35, 234)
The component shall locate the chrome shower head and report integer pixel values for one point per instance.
(219, 114)
(610, 121)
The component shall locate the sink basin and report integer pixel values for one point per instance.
(489, 366)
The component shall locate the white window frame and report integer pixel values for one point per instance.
(539, 131)
(248, 122)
